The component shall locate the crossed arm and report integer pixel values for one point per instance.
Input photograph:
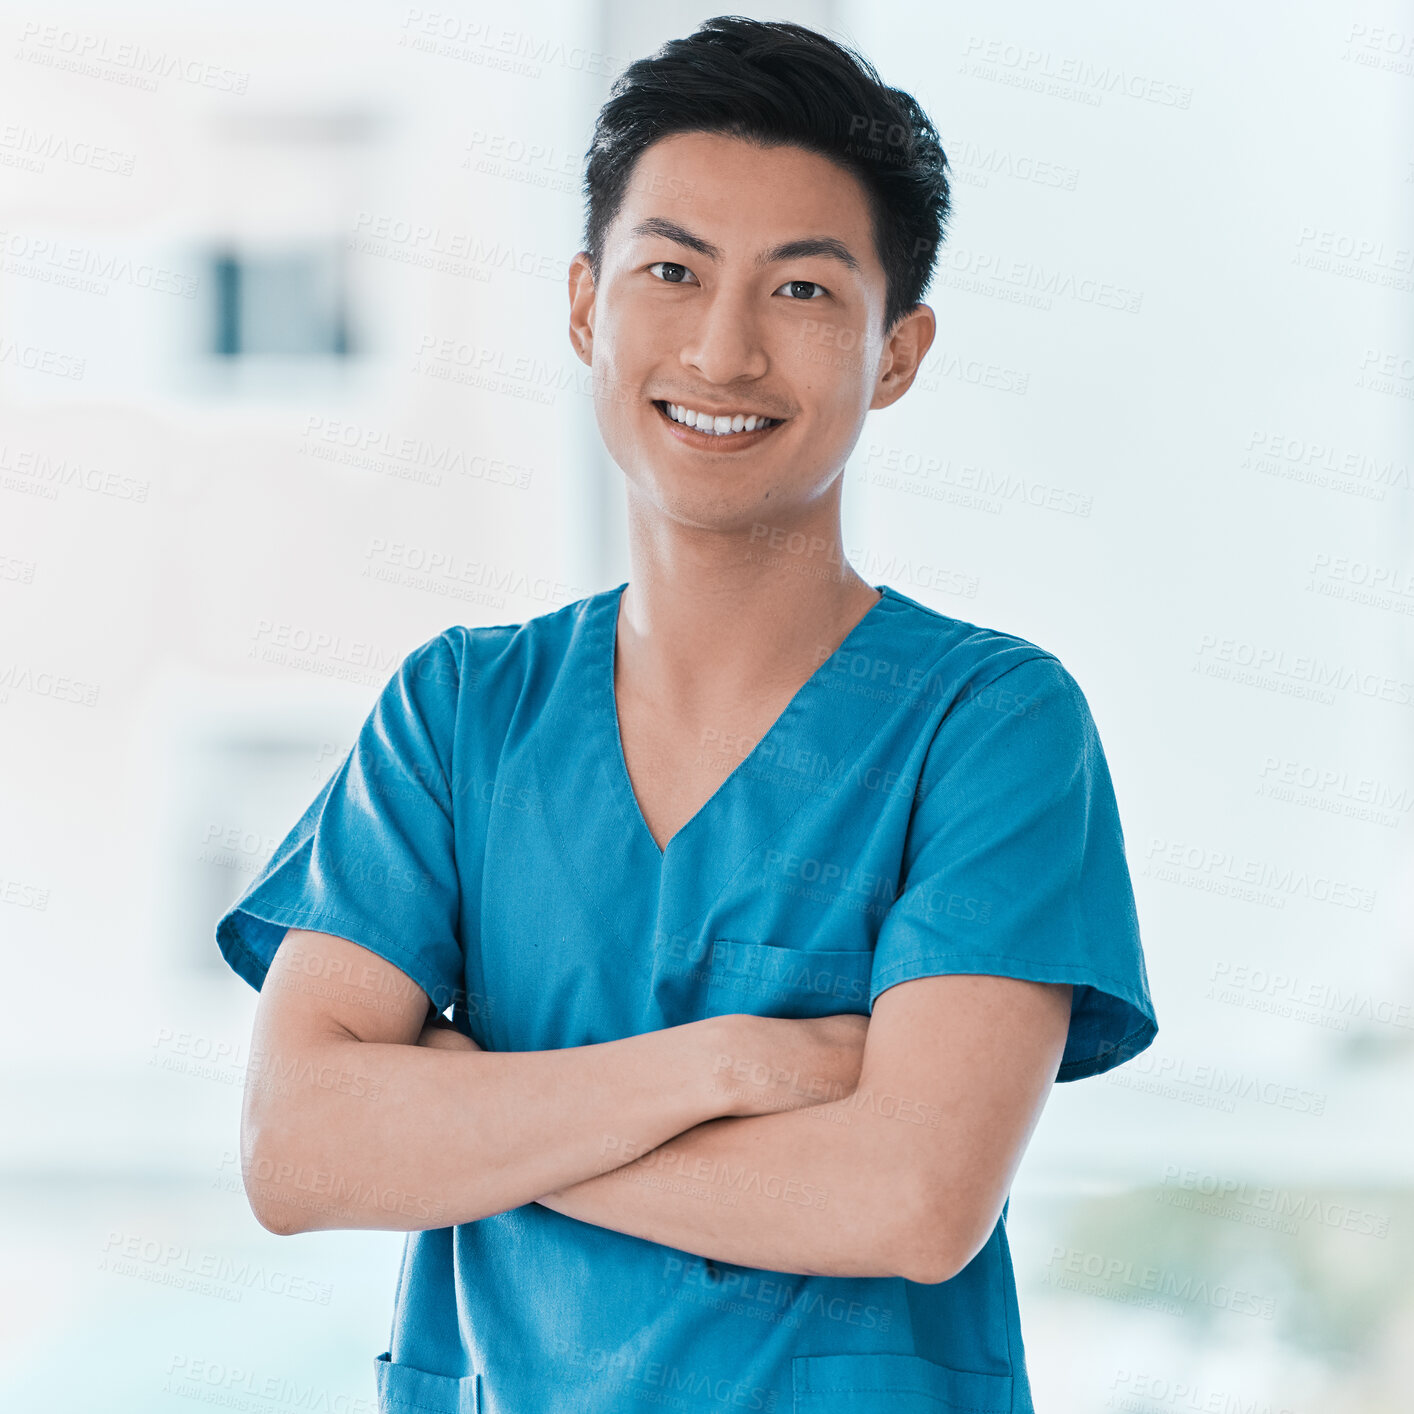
(833, 1147)
(955, 1073)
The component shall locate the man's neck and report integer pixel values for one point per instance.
(698, 629)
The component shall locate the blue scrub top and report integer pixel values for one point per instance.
(933, 800)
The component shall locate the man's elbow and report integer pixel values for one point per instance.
(268, 1171)
(279, 1221)
(927, 1262)
(933, 1241)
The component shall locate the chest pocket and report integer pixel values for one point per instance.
(766, 980)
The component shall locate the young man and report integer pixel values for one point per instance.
(770, 903)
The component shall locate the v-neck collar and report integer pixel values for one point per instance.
(812, 752)
(604, 652)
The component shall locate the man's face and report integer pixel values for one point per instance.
(745, 328)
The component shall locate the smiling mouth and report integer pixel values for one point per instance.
(725, 439)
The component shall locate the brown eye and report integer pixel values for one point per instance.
(675, 272)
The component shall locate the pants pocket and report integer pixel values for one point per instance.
(893, 1384)
(402, 1389)
(767, 980)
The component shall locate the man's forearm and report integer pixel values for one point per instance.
(343, 1133)
(819, 1191)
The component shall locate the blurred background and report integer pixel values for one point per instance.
(286, 389)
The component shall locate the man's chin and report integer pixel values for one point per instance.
(700, 503)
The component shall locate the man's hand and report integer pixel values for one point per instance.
(768, 1064)
(441, 1035)
(758, 1064)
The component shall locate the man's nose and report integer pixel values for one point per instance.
(724, 343)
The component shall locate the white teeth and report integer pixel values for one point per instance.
(715, 426)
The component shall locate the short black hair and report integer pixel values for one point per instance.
(777, 83)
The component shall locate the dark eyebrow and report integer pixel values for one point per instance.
(826, 246)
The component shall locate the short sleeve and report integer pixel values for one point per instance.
(1015, 864)
(372, 858)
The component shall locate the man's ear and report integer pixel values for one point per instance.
(581, 289)
(904, 351)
